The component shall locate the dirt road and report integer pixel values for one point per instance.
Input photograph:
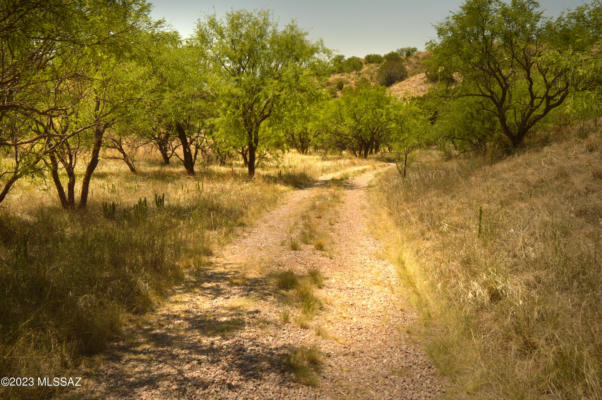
(239, 329)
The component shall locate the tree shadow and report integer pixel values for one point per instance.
(181, 353)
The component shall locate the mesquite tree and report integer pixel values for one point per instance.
(259, 64)
(503, 54)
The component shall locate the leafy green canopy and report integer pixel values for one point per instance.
(259, 65)
(509, 57)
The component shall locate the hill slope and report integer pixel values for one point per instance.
(415, 85)
(503, 261)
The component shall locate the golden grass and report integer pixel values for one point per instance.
(503, 262)
(306, 364)
(70, 278)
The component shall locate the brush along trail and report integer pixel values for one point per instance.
(298, 306)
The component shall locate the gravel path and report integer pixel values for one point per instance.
(226, 334)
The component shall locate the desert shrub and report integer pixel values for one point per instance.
(352, 64)
(337, 63)
(373, 59)
(392, 56)
(407, 51)
(340, 84)
(391, 71)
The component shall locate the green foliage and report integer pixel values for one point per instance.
(360, 121)
(341, 64)
(352, 64)
(160, 200)
(513, 60)
(373, 59)
(464, 124)
(259, 66)
(337, 63)
(55, 54)
(406, 51)
(392, 56)
(392, 71)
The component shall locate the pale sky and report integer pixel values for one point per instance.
(349, 27)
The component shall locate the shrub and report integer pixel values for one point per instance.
(337, 63)
(373, 59)
(392, 56)
(352, 64)
(407, 51)
(392, 71)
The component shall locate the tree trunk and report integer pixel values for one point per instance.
(8, 185)
(405, 163)
(70, 185)
(251, 161)
(54, 171)
(253, 143)
(245, 156)
(130, 164)
(98, 135)
(188, 159)
(162, 143)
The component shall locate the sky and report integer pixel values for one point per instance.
(351, 27)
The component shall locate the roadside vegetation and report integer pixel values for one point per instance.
(502, 262)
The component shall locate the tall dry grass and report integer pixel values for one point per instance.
(503, 262)
(70, 279)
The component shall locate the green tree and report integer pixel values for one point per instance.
(410, 127)
(406, 51)
(362, 119)
(33, 36)
(373, 59)
(391, 71)
(505, 56)
(259, 65)
(97, 90)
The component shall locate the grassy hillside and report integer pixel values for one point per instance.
(415, 85)
(503, 262)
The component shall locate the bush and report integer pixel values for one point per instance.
(352, 64)
(392, 56)
(340, 84)
(391, 72)
(337, 63)
(373, 59)
(407, 51)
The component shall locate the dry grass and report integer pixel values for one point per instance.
(299, 290)
(305, 363)
(503, 262)
(415, 85)
(69, 279)
(315, 220)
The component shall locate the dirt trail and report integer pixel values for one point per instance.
(223, 335)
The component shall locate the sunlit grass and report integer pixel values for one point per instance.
(503, 263)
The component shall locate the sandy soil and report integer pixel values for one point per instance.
(222, 335)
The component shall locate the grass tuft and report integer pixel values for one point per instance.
(287, 280)
(306, 364)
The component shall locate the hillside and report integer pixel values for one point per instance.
(415, 85)
(503, 262)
